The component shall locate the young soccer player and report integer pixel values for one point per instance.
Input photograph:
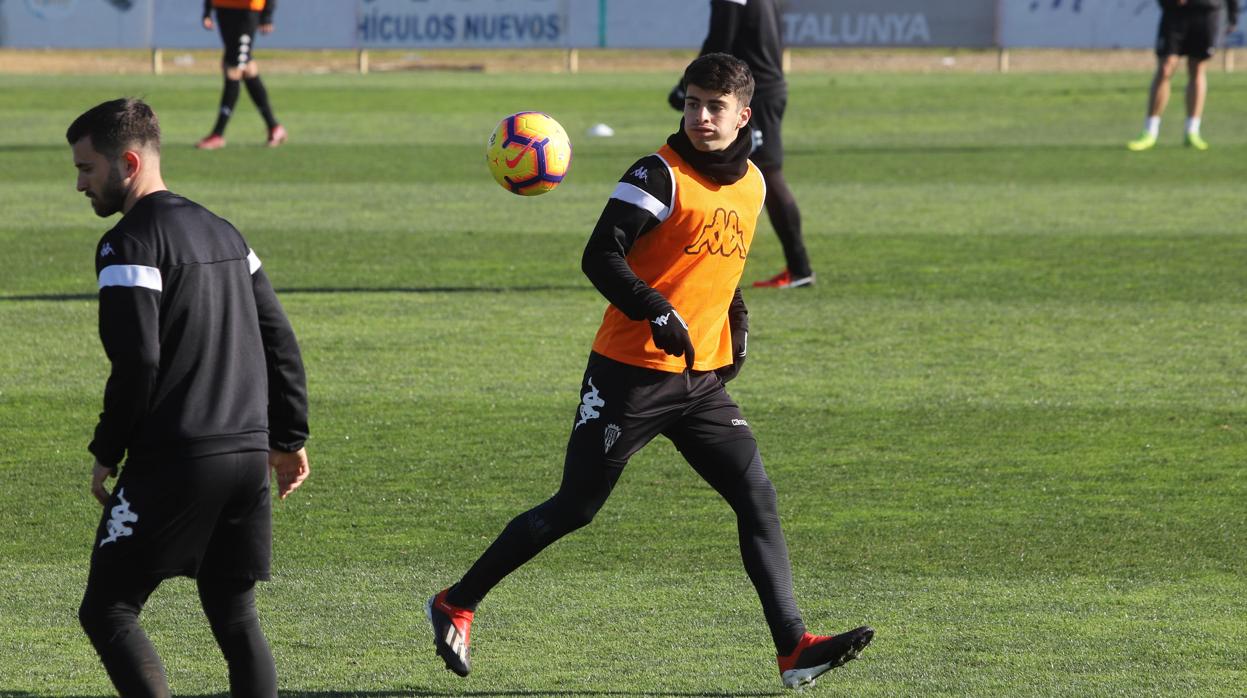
(207, 392)
(238, 21)
(1187, 28)
(667, 253)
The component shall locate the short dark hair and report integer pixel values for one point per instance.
(116, 125)
(721, 72)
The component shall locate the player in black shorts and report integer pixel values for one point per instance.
(752, 31)
(667, 253)
(239, 20)
(206, 393)
(1187, 28)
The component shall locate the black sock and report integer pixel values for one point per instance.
(785, 217)
(586, 485)
(734, 469)
(259, 95)
(229, 98)
(110, 616)
(229, 605)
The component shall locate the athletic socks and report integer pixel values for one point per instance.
(781, 207)
(259, 95)
(229, 99)
(1151, 125)
(1192, 124)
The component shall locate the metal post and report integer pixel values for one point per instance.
(361, 61)
(573, 60)
(1002, 60)
(157, 62)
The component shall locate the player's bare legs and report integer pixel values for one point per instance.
(1196, 93)
(1157, 98)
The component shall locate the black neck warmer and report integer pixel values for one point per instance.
(725, 166)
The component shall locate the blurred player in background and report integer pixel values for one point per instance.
(238, 21)
(668, 252)
(1187, 28)
(206, 393)
(752, 31)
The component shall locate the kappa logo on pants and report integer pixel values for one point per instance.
(118, 518)
(591, 401)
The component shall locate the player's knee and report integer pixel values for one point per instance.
(89, 617)
(102, 622)
(567, 514)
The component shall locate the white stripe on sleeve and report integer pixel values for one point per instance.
(131, 275)
(632, 194)
(252, 261)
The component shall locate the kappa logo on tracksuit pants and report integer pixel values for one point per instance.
(118, 518)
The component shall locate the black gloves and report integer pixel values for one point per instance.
(671, 335)
(676, 98)
(740, 345)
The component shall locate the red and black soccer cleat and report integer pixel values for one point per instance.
(784, 279)
(451, 627)
(815, 655)
(211, 142)
(276, 136)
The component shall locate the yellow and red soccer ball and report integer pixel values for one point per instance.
(529, 153)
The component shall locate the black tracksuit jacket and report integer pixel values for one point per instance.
(204, 361)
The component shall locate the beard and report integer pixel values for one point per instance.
(112, 197)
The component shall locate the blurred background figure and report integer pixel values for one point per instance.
(1187, 28)
(238, 21)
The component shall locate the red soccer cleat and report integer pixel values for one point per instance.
(276, 136)
(451, 627)
(785, 280)
(815, 655)
(211, 142)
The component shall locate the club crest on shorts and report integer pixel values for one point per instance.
(118, 518)
(611, 435)
(591, 401)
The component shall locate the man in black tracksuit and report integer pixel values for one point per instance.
(752, 30)
(1187, 28)
(207, 391)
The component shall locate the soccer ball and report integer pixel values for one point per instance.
(529, 153)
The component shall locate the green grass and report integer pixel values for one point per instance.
(1007, 426)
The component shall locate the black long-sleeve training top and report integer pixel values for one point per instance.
(751, 30)
(204, 361)
(1231, 7)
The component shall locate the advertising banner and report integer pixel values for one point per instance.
(75, 23)
(968, 23)
(1079, 23)
(296, 24)
(464, 23)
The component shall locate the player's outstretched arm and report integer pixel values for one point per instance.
(291, 469)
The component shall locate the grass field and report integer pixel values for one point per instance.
(1008, 426)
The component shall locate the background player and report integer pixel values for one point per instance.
(207, 391)
(668, 252)
(751, 30)
(238, 20)
(1187, 28)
